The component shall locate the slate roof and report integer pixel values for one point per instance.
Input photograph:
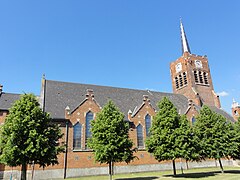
(222, 112)
(219, 111)
(59, 95)
(7, 99)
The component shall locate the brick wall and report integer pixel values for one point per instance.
(83, 158)
(236, 113)
(199, 92)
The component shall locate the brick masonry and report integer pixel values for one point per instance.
(200, 93)
(81, 162)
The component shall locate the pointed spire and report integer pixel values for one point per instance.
(185, 46)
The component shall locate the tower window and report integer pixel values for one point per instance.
(148, 124)
(205, 78)
(176, 82)
(140, 136)
(89, 118)
(77, 136)
(196, 76)
(185, 78)
(180, 80)
(200, 76)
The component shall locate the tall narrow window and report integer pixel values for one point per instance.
(185, 78)
(176, 81)
(195, 76)
(140, 136)
(200, 76)
(193, 120)
(148, 124)
(77, 136)
(205, 78)
(180, 80)
(89, 118)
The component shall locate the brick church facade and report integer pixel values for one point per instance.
(73, 106)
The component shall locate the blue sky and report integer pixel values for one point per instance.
(120, 43)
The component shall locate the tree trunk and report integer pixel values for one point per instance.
(181, 166)
(110, 170)
(187, 164)
(24, 172)
(33, 170)
(220, 163)
(174, 168)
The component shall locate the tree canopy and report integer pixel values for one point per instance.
(28, 135)
(110, 140)
(188, 141)
(235, 143)
(215, 135)
(162, 142)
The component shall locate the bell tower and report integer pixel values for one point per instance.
(191, 76)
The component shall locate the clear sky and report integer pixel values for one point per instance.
(120, 43)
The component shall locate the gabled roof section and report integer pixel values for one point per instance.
(145, 100)
(89, 95)
(7, 100)
(59, 95)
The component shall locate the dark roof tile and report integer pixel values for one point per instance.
(7, 99)
(59, 95)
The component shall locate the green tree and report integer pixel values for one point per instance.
(215, 135)
(188, 141)
(110, 140)
(163, 140)
(235, 134)
(28, 135)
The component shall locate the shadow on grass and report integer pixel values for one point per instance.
(232, 171)
(138, 178)
(194, 175)
(203, 174)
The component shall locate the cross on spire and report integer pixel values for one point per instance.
(185, 46)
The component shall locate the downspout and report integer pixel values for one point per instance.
(66, 151)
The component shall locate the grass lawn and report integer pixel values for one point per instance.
(231, 173)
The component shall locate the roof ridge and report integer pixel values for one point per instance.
(99, 85)
(114, 87)
(11, 93)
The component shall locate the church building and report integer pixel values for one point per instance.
(73, 106)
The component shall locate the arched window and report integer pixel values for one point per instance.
(185, 78)
(193, 120)
(77, 136)
(196, 76)
(89, 118)
(147, 123)
(236, 113)
(205, 78)
(180, 80)
(176, 81)
(200, 77)
(140, 136)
